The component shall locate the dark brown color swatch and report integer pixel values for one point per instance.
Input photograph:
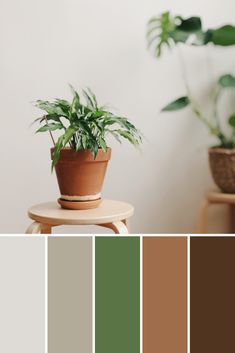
(165, 295)
(212, 294)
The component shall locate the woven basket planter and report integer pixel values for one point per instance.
(222, 165)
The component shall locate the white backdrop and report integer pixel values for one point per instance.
(101, 44)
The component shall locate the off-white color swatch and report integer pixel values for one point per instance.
(22, 295)
(47, 44)
(70, 295)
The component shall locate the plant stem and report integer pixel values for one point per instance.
(216, 93)
(214, 130)
(216, 98)
(53, 141)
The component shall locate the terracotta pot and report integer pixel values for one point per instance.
(80, 177)
(222, 165)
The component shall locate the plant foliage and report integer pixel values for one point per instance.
(177, 104)
(167, 30)
(85, 125)
(225, 140)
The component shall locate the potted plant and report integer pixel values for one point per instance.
(167, 31)
(80, 154)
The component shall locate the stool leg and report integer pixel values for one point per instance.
(118, 227)
(38, 228)
(34, 228)
(203, 217)
(46, 229)
(127, 223)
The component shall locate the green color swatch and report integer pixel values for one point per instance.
(117, 300)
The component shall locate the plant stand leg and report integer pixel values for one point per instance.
(46, 229)
(34, 228)
(118, 227)
(203, 217)
(127, 223)
(38, 228)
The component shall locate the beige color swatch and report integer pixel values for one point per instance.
(70, 295)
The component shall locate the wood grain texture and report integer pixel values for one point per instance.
(109, 211)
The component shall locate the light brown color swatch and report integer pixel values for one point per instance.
(165, 294)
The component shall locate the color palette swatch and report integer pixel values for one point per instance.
(119, 266)
(165, 294)
(212, 308)
(22, 295)
(126, 294)
(70, 294)
(117, 295)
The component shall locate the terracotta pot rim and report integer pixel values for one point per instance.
(221, 150)
(87, 150)
(68, 154)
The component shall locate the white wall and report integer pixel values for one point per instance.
(47, 44)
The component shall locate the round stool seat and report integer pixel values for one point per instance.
(111, 214)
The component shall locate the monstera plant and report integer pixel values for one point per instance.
(168, 31)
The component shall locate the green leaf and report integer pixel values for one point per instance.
(200, 38)
(180, 36)
(52, 117)
(89, 124)
(75, 106)
(64, 106)
(224, 35)
(56, 153)
(50, 127)
(179, 103)
(94, 148)
(231, 120)
(78, 143)
(84, 141)
(115, 135)
(50, 108)
(208, 36)
(103, 144)
(129, 137)
(227, 81)
(190, 24)
(85, 127)
(164, 25)
(92, 95)
(68, 135)
(90, 99)
(61, 143)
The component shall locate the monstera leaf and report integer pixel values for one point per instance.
(177, 104)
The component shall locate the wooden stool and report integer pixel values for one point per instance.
(216, 197)
(110, 214)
